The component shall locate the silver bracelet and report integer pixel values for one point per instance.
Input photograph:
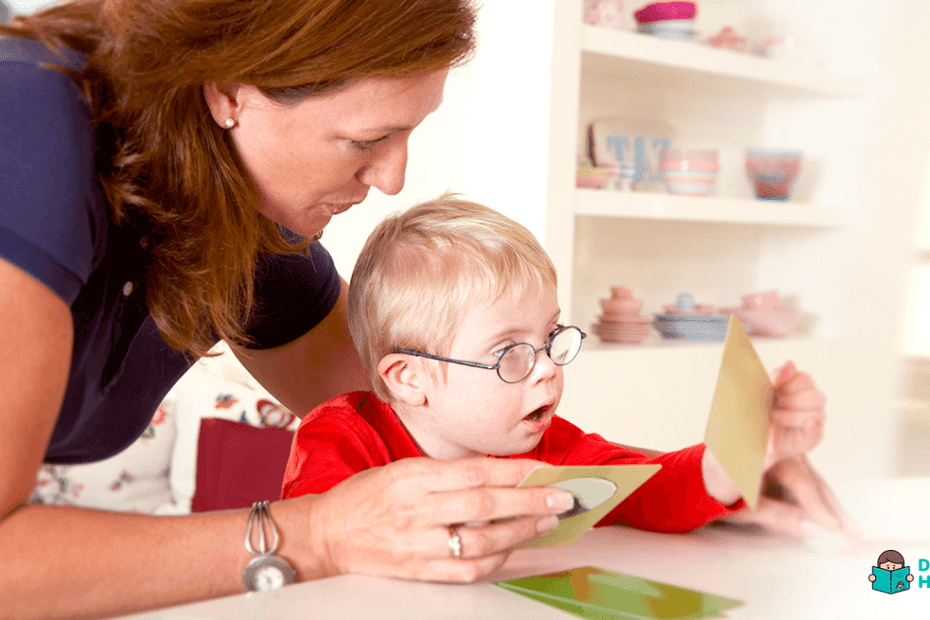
(265, 571)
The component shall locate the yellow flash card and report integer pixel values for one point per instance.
(597, 490)
(738, 427)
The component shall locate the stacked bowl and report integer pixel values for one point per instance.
(687, 321)
(773, 171)
(620, 321)
(689, 172)
(590, 176)
(765, 316)
(669, 20)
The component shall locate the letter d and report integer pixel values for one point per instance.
(923, 564)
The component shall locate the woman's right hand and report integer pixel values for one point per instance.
(394, 520)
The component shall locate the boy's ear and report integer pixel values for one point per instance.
(404, 376)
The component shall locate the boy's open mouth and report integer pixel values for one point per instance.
(537, 414)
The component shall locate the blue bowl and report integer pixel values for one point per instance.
(694, 327)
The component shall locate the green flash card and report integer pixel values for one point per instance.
(598, 594)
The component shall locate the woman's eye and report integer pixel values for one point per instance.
(367, 145)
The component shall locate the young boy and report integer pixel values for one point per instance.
(453, 309)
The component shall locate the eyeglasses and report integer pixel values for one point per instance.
(516, 362)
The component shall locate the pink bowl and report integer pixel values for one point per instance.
(698, 309)
(773, 171)
(778, 323)
(762, 301)
(663, 11)
(621, 292)
(622, 306)
(594, 179)
(690, 154)
(689, 164)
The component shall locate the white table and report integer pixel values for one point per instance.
(777, 577)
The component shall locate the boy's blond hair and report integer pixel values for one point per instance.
(422, 270)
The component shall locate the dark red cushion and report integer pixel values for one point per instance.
(238, 464)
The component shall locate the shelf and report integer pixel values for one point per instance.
(658, 347)
(653, 206)
(615, 52)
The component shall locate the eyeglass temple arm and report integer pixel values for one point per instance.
(445, 359)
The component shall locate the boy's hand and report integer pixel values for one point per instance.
(796, 422)
(795, 498)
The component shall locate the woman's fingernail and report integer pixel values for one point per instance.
(547, 524)
(561, 500)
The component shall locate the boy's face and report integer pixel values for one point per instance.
(473, 412)
(889, 565)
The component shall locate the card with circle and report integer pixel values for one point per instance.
(598, 489)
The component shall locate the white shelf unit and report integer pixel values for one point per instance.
(607, 51)
(656, 206)
(719, 247)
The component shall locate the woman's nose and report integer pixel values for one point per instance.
(386, 171)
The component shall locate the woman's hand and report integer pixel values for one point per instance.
(795, 499)
(394, 520)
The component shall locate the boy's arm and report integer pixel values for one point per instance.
(673, 500)
(795, 498)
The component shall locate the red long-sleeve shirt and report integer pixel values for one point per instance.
(357, 431)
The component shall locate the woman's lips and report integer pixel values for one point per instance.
(337, 208)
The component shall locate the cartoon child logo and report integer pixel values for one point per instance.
(890, 574)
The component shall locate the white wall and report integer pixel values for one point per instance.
(23, 7)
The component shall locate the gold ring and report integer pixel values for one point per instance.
(455, 542)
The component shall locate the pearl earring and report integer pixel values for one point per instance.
(230, 123)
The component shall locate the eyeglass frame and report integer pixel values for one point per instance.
(547, 348)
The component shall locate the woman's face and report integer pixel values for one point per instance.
(316, 158)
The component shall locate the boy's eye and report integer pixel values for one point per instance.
(555, 331)
(501, 351)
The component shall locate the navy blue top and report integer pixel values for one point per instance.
(56, 225)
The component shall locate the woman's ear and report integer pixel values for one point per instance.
(224, 102)
(404, 377)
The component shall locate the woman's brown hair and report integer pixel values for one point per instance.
(169, 170)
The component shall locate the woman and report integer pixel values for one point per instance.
(157, 196)
(162, 167)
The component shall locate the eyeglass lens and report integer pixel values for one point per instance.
(519, 360)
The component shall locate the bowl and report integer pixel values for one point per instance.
(769, 323)
(769, 300)
(689, 159)
(592, 178)
(677, 30)
(702, 327)
(728, 39)
(689, 173)
(621, 292)
(622, 306)
(773, 172)
(665, 11)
